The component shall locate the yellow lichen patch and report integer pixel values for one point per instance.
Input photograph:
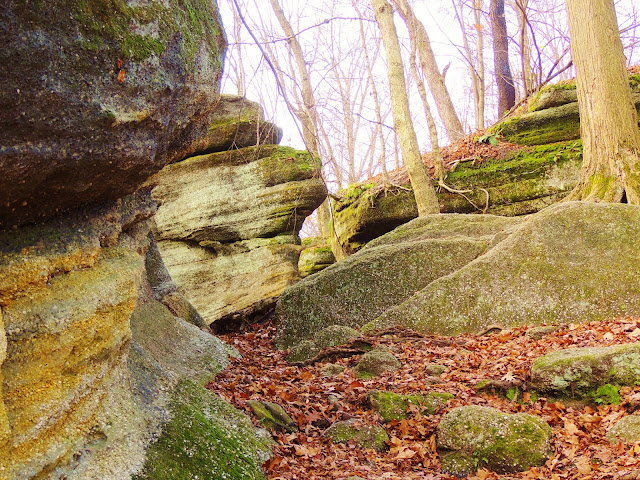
(64, 342)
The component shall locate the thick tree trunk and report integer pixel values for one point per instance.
(422, 186)
(444, 104)
(608, 118)
(504, 80)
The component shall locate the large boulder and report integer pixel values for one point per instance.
(472, 436)
(572, 262)
(385, 273)
(522, 183)
(99, 95)
(228, 222)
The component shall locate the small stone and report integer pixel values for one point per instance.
(626, 430)
(392, 406)
(332, 370)
(536, 333)
(434, 369)
(375, 363)
(272, 415)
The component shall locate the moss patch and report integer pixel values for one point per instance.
(196, 443)
(392, 406)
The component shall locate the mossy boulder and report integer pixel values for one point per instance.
(626, 430)
(375, 363)
(205, 438)
(332, 369)
(583, 370)
(363, 435)
(272, 415)
(474, 437)
(332, 336)
(384, 274)
(523, 183)
(99, 96)
(393, 406)
(572, 262)
(315, 258)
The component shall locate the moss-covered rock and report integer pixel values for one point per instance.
(363, 435)
(393, 268)
(100, 95)
(568, 263)
(314, 259)
(205, 438)
(434, 369)
(272, 415)
(626, 430)
(472, 437)
(583, 370)
(376, 363)
(393, 406)
(523, 183)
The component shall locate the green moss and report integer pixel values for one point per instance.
(197, 444)
(364, 436)
(607, 395)
(286, 164)
(272, 415)
(392, 406)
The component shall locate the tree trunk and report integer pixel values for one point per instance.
(608, 118)
(444, 104)
(525, 47)
(422, 186)
(504, 80)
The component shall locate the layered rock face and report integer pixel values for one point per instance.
(102, 363)
(228, 223)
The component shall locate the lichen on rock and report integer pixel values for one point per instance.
(363, 435)
(626, 430)
(375, 363)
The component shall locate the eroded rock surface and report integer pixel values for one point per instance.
(228, 222)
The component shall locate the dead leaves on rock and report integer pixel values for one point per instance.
(316, 402)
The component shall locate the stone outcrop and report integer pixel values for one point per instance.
(522, 183)
(228, 223)
(552, 115)
(96, 368)
(388, 271)
(566, 264)
(99, 96)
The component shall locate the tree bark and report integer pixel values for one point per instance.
(608, 118)
(422, 186)
(504, 80)
(444, 104)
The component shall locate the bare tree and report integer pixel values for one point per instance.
(504, 80)
(423, 190)
(608, 118)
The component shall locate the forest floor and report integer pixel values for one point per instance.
(579, 431)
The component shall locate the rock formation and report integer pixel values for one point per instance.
(228, 223)
(102, 363)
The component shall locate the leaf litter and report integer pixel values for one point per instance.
(582, 451)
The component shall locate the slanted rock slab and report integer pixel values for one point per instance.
(571, 263)
(272, 415)
(384, 274)
(472, 436)
(585, 369)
